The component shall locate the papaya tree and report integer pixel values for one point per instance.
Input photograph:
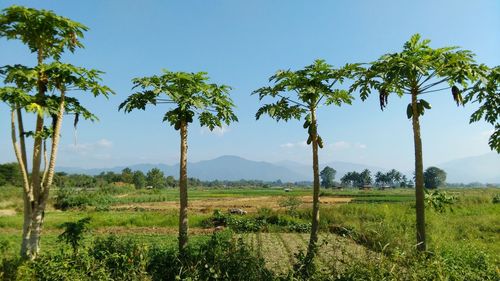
(416, 71)
(189, 95)
(42, 90)
(486, 92)
(297, 95)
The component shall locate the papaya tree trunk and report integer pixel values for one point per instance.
(183, 211)
(20, 124)
(56, 136)
(36, 181)
(25, 252)
(38, 213)
(419, 175)
(36, 230)
(20, 153)
(312, 247)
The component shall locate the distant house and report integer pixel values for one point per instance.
(366, 187)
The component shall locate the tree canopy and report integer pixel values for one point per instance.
(298, 94)
(42, 31)
(434, 177)
(486, 92)
(327, 176)
(188, 93)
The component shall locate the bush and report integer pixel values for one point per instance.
(220, 258)
(123, 258)
(290, 204)
(74, 233)
(457, 263)
(263, 222)
(67, 267)
(438, 200)
(71, 198)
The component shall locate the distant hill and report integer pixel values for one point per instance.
(484, 168)
(235, 168)
(221, 168)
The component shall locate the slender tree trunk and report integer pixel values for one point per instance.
(54, 147)
(45, 162)
(183, 212)
(36, 230)
(312, 247)
(419, 175)
(27, 195)
(25, 253)
(20, 124)
(36, 184)
(38, 214)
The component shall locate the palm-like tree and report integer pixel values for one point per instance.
(188, 94)
(48, 35)
(298, 94)
(417, 70)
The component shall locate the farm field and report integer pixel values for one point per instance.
(355, 225)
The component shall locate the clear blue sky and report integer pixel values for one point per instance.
(242, 43)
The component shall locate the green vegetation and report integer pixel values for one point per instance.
(434, 177)
(298, 94)
(121, 226)
(43, 92)
(190, 94)
(419, 69)
(375, 232)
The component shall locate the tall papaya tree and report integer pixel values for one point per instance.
(416, 71)
(188, 95)
(42, 90)
(298, 95)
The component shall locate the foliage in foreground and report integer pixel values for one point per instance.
(223, 257)
(265, 221)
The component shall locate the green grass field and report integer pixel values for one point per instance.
(379, 222)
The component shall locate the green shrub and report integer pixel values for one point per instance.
(291, 204)
(68, 267)
(220, 258)
(74, 233)
(439, 200)
(263, 222)
(123, 258)
(70, 198)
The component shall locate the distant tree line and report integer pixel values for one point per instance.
(433, 178)
(10, 174)
(155, 178)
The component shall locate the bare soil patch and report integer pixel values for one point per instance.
(7, 213)
(249, 204)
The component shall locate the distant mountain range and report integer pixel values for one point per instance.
(484, 168)
(235, 168)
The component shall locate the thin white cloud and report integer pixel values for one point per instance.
(90, 147)
(217, 131)
(104, 143)
(344, 145)
(360, 146)
(340, 145)
(300, 144)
